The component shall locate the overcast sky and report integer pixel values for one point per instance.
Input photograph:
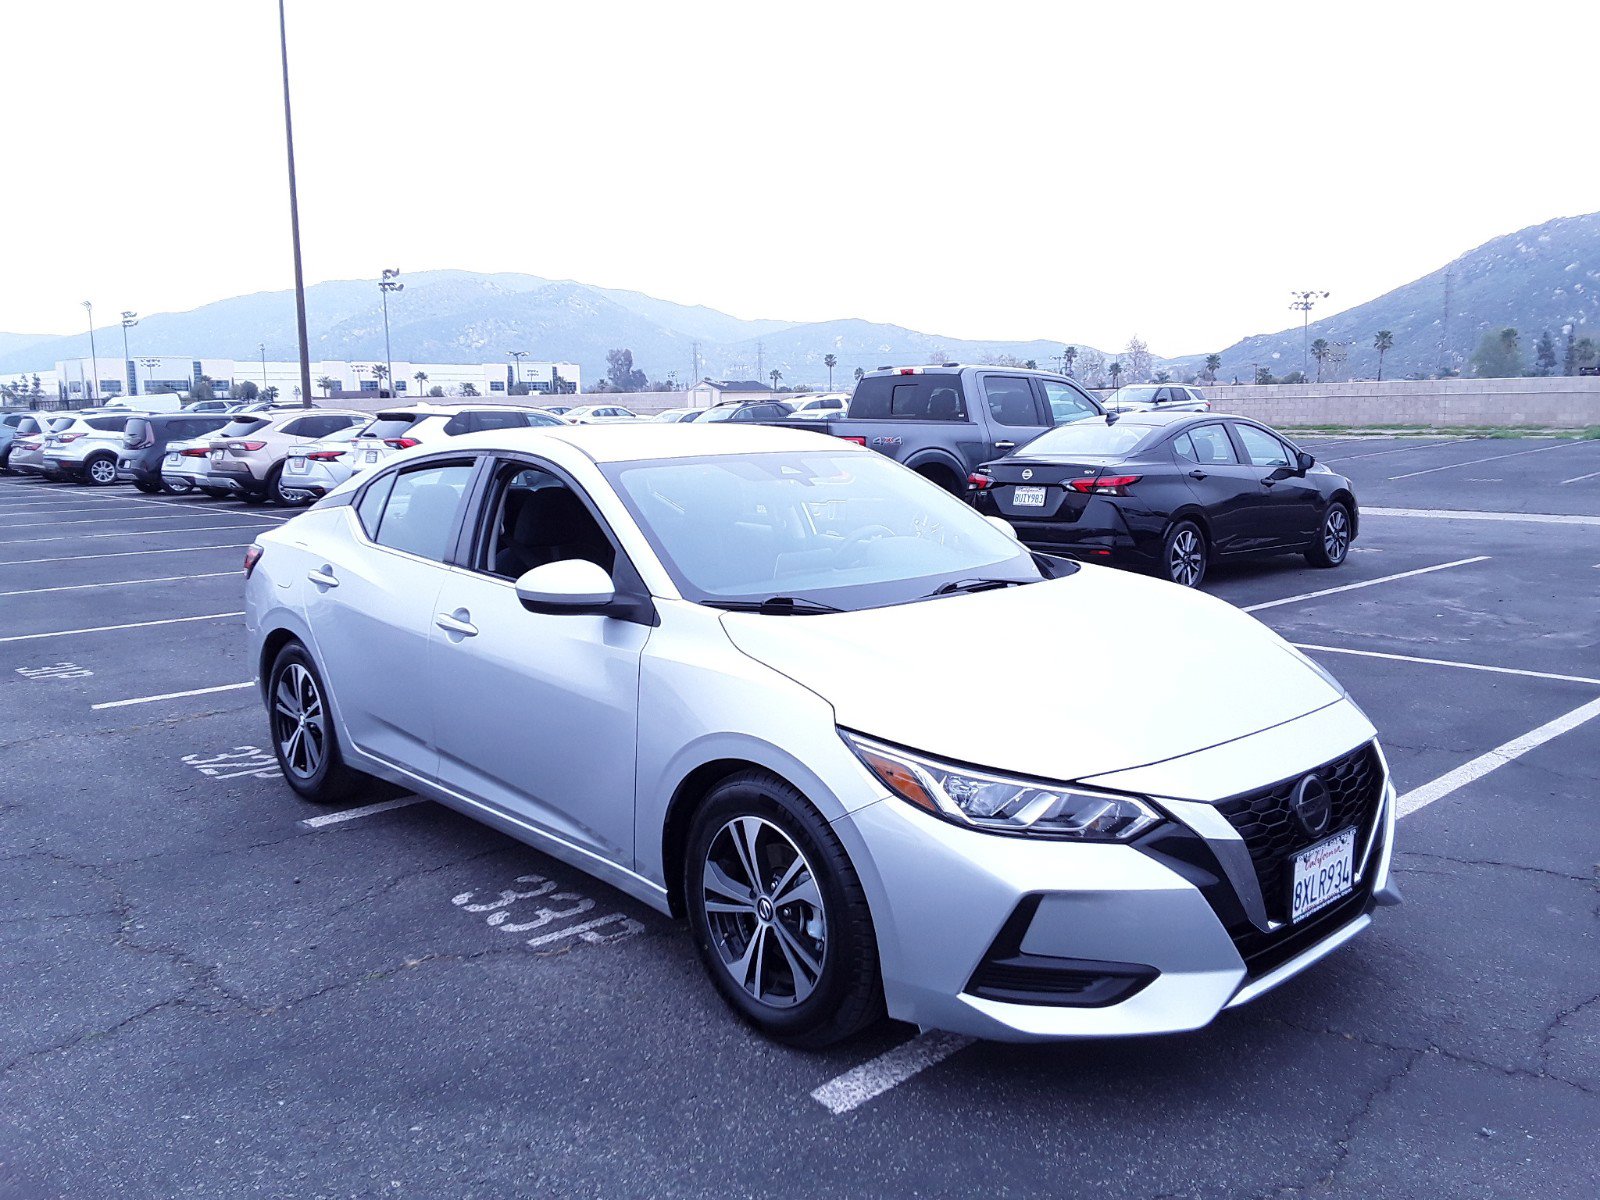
(1076, 172)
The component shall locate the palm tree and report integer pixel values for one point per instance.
(1383, 343)
(859, 372)
(775, 375)
(1069, 355)
(1320, 351)
(422, 378)
(326, 383)
(830, 361)
(1213, 365)
(1115, 371)
(380, 373)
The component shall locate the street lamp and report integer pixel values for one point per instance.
(517, 356)
(1303, 303)
(386, 285)
(94, 364)
(149, 365)
(129, 320)
(294, 218)
(262, 346)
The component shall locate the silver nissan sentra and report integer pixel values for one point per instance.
(854, 733)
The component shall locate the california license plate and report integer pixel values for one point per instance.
(372, 456)
(174, 459)
(1028, 497)
(1323, 874)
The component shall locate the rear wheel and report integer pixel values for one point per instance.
(216, 493)
(303, 738)
(1332, 546)
(276, 493)
(778, 914)
(100, 471)
(146, 486)
(1185, 555)
(177, 486)
(942, 476)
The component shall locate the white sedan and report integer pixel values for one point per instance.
(852, 731)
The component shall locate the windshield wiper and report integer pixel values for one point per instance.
(973, 585)
(776, 606)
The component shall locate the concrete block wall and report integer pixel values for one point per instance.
(1561, 403)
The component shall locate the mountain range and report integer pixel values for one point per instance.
(1543, 277)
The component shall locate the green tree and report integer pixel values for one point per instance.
(380, 373)
(201, 389)
(621, 373)
(1031, 364)
(1382, 343)
(1498, 356)
(1319, 351)
(436, 390)
(327, 383)
(859, 372)
(1163, 376)
(422, 382)
(1264, 375)
(1115, 371)
(269, 394)
(830, 361)
(1294, 377)
(469, 389)
(774, 375)
(1544, 355)
(1069, 355)
(246, 390)
(1213, 365)
(1584, 354)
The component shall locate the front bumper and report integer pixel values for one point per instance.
(1120, 939)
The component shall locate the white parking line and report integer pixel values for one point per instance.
(141, 533)
(84, 587)
(28, 562)
(1472, 462)
(1350, 587)
(206, 691)
(877, 1075)
(1447, 662)
(103, 520)
(198, 507)
(1441, 787)
(1472, 514)
(1581, 478)
(355, 814)
(1399, 450)
(34, 637)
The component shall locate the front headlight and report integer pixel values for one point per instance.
(1000, 804)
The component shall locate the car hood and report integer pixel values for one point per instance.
(1099, 671)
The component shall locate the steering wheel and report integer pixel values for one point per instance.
(849, 552)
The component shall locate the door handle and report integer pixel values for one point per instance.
(456, 622)
(1267, 482)
(1198, 474)
(323, 577)
(1005, 445)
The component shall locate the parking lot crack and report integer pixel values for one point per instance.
(1489, 862)
(86, 1035)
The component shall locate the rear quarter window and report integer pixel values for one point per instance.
(242, 427)
(391, 425)
(909, 398)
(107, 423)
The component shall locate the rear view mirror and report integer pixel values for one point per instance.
(573, 585)
(1306, 462)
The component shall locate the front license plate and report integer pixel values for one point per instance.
(1028, 497)
(174, 459)
(372, 456)
(1323, 874)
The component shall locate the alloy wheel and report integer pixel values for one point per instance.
(299, 721)
(1336, 535)
(1186, 560)
(764, 912)
(103, 471)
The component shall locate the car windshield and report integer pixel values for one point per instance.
(1133, 394)
(1095, 438)
(844, 528)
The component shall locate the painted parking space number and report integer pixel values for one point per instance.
(237, 763)
(61, 670)
(547, 916)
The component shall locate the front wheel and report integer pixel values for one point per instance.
(778, 914)
(303, 737)
(1332, 546)
(1184, 555)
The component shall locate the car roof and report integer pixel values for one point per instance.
(629, 443)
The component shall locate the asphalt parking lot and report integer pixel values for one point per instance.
(212, 988)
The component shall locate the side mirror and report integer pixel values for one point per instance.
(1004, 526)
(1306, 462)
(573, 585)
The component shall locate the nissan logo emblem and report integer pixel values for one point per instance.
(1313, 805)
(1027, 474)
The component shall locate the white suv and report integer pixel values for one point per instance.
(85, 448)
(396, 429)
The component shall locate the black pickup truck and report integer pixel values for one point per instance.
(943, 421)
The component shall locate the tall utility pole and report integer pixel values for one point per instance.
(1303, 303)
(1445, 361)
(94, 361)
(263, 348)
(759, 362)
(294, 220)
(129, 320)
(694, 373)
(386, 285)
(516, 358)
(149, 365)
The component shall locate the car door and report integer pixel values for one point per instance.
(370, 598)
(1229, 491)
(537, 714)
(1293, 503)
(1016, 411)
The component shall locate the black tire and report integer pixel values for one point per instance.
(275, 490)
(173, 489)
(1185, 555)
(147, 487)
(216, 493)
(253, 498)
(846, 993)
(943, 478)
(5, 460)
(312, 764)
(1332, 546)
(99, 470)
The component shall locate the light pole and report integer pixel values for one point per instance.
(516, 358)
(262, 346)
(1303, 303)
(149, 365)
(386, 285)
(294, 219)
(94, 364)
(129, 320)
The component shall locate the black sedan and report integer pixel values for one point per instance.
(1169, 492)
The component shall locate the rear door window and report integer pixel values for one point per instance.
(1207, 444)
(419, 514)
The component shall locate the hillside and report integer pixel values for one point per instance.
(464, 316)
(1542, 277)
